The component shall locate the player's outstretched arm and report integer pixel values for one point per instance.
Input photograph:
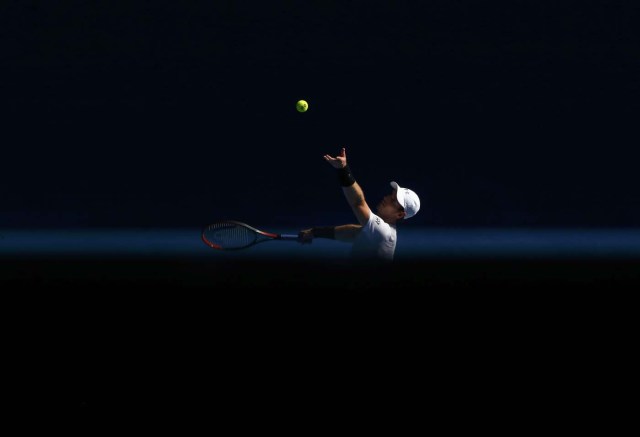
(347, 233)
(350, 188)
(344, 233)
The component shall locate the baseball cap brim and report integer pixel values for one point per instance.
(399, 193)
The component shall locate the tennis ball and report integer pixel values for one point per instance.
(302, 106)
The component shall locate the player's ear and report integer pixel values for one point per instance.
(401, 214)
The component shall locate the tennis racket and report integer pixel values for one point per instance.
(235, 235)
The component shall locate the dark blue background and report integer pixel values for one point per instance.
(178, 114)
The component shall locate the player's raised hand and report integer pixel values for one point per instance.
(339, 161)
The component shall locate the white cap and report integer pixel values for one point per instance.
(407, 199)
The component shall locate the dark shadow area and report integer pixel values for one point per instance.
(291, 342)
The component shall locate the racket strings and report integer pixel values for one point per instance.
(229, 236)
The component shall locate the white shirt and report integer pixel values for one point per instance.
(376, 240)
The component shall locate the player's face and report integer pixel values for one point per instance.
(389, 208)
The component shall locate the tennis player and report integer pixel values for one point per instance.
(374, 237)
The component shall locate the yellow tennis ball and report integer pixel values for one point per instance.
(302, 106)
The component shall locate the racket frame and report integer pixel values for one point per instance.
(268, 236)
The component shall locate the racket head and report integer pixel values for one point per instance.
(233, 235)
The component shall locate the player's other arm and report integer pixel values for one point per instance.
(356, 200)
(352, 191)
(345, 233)
(355, 197)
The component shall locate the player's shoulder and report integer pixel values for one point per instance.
(378, 223)
(375, 220)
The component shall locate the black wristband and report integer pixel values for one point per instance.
(345, 177)
(324, 232)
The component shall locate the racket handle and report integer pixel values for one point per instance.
(289, 237)
(297, 237)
